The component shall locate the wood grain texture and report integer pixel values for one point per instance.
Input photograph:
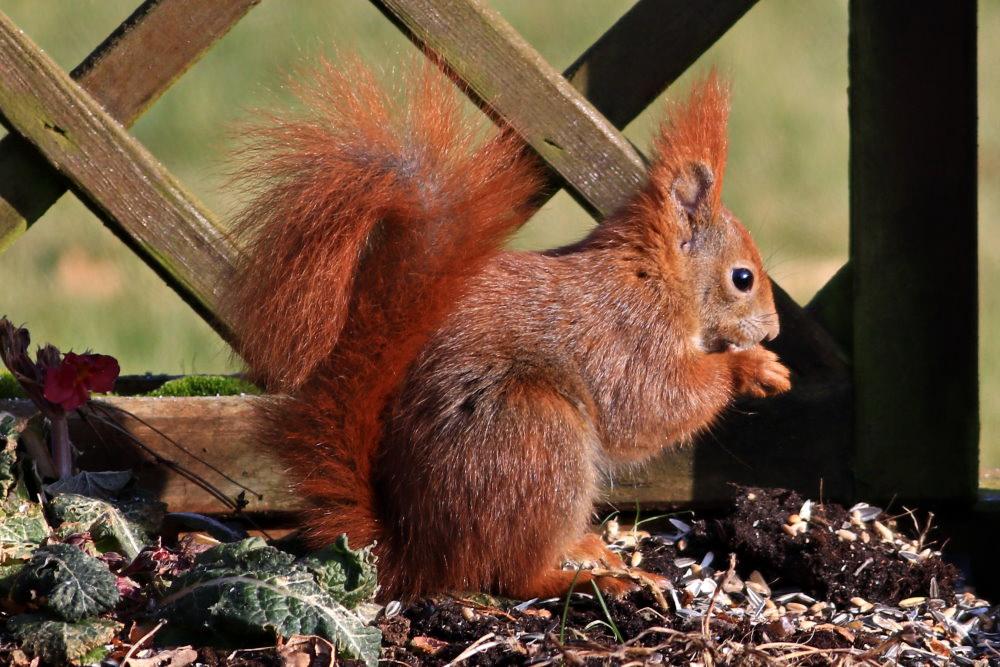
(215, 429)
(113, 173)
(616, 78)
(218, 429)
(136, 64)
(913, 248)
(506, 74)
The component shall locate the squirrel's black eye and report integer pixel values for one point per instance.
(743, 279)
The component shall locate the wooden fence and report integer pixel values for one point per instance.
(884, 358)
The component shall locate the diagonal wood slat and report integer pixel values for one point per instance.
(126, 74)
(598, 165)
(512, 79)
(114, 174)
(646, 50)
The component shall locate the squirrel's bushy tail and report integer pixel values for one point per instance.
(371, 209)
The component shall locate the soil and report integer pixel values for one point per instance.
(820, 566)
(772, 580)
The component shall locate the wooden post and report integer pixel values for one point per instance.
(913, 248)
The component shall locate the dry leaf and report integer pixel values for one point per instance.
(168, 657)
(428, 645)
(306, 651)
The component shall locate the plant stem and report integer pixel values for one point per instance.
(62, 448)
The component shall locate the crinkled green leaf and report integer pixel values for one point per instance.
(111, 527)
(66, 582)
(10, 430)
(246, 592)
(22, 528)
(9, 569)
(104, 485)
(22, 522)
(57, 642)
(347, 575)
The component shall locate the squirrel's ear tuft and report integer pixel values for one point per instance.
(690, 151)
(692, 186)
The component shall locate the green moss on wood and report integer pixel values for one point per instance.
(9, 387)
(205, 385)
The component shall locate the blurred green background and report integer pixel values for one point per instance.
(74, 285)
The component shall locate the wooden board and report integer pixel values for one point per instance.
(113, 173)
(126, 74)
(219, 430)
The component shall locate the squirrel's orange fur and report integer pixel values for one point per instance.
(457, 404)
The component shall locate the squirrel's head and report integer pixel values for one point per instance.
(700, 241)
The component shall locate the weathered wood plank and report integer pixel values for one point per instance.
(219, 429)
(215, 429)
(126, 74)
(645, 51)
(113, 173)
(510, 77)
(619, 75)
(913, 248)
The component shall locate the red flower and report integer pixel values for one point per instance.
(70, 384)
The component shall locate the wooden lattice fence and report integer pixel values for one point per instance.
(874, 395)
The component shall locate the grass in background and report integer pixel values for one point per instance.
(76, 286)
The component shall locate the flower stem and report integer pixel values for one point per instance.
(62, 448)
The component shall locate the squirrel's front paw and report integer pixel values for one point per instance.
(757, 372)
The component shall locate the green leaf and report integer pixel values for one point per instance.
(22, 522)
(65, 581)
(247, 592)
(347, 575)
(105, 485)
(10, 430)
(22, 528)
(57, 642)
(120, 527)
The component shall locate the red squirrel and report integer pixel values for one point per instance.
(456, 404)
